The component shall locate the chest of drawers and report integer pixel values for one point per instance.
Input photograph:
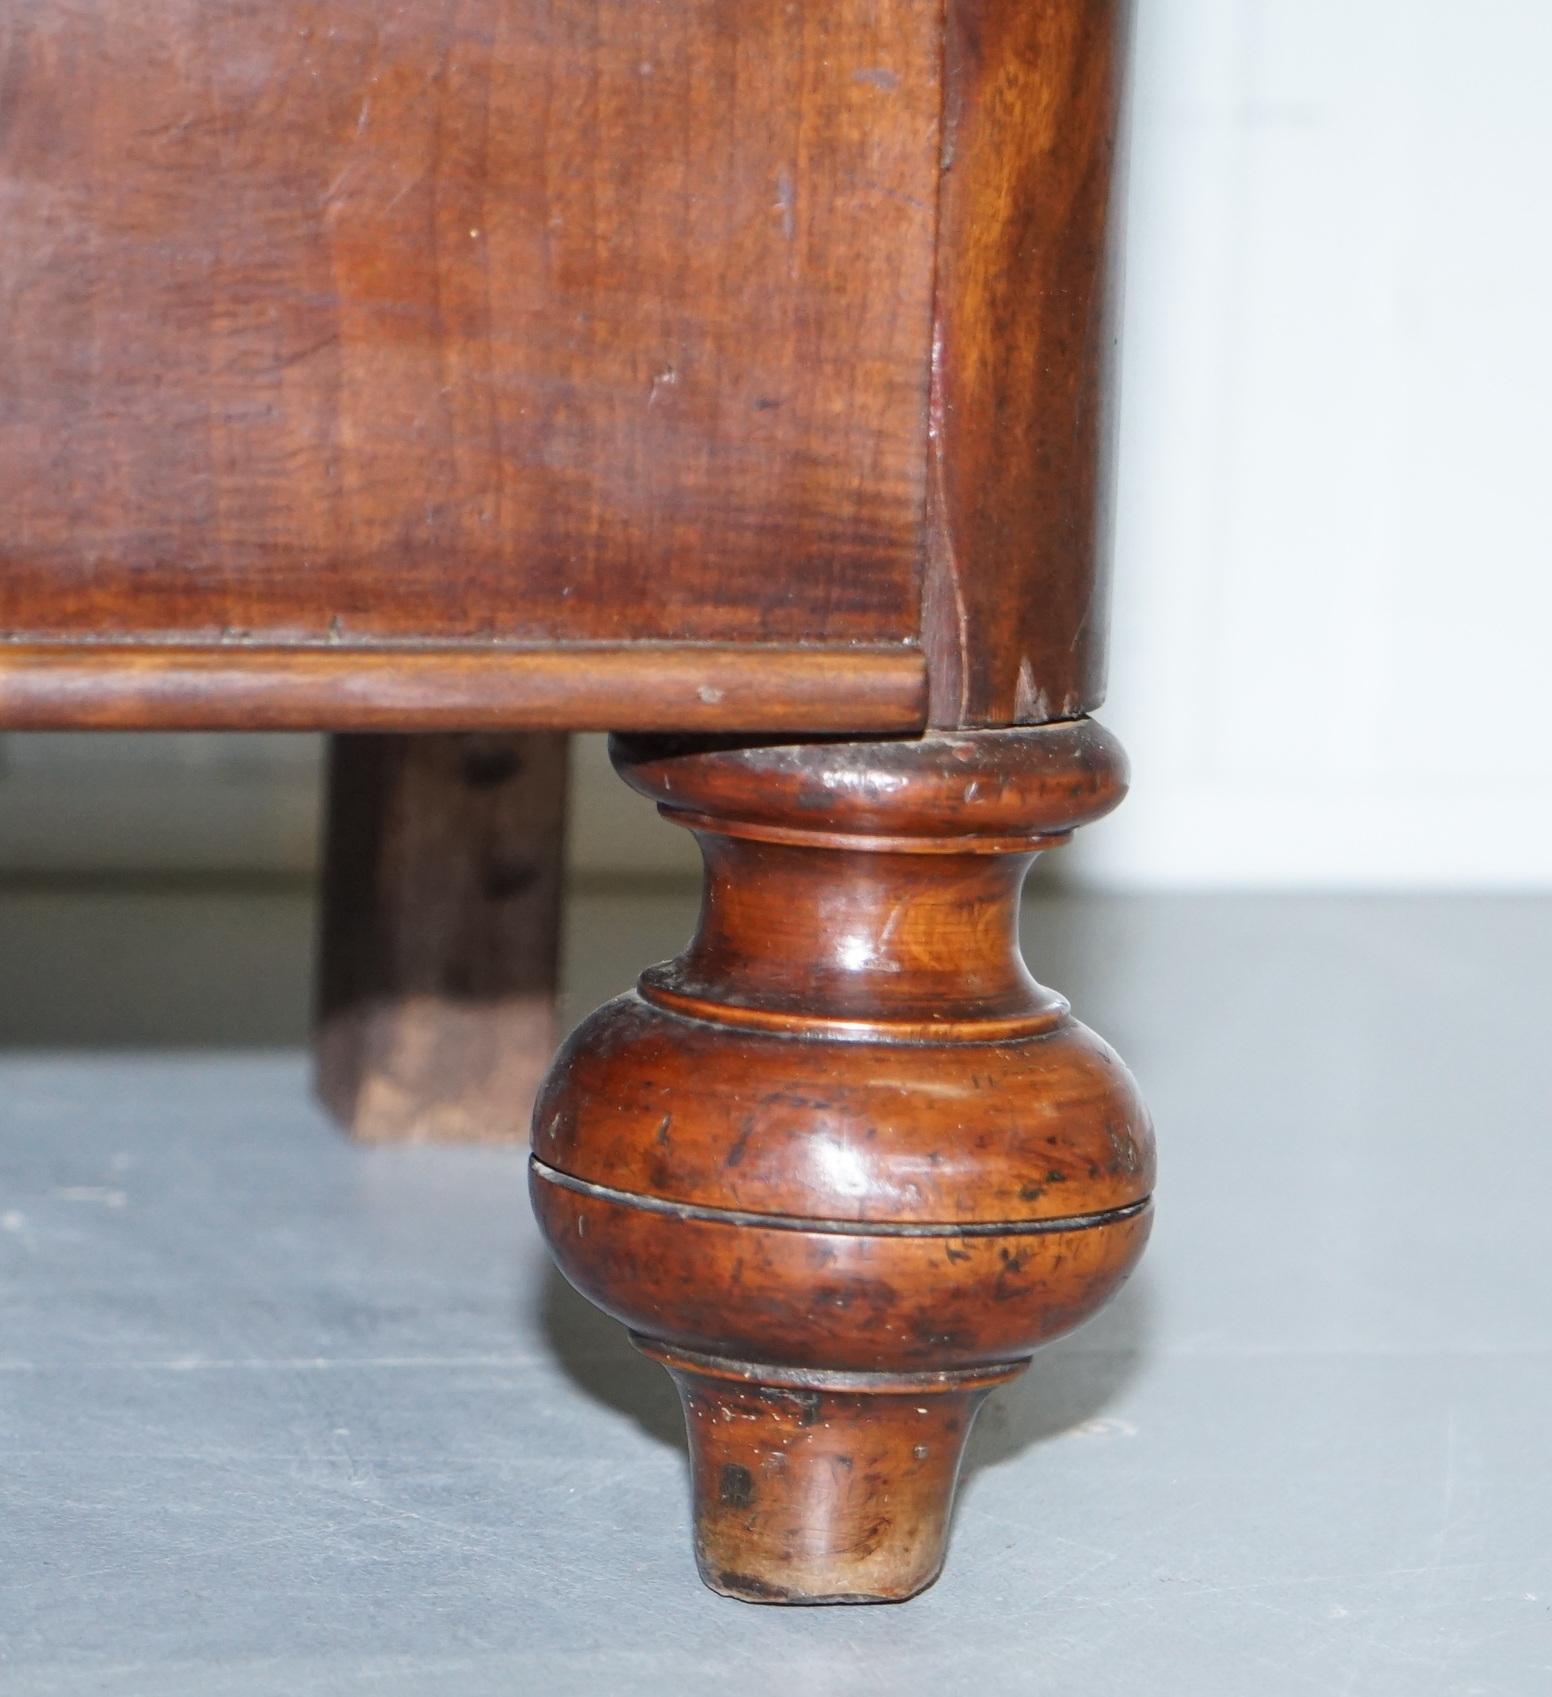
(731, 375)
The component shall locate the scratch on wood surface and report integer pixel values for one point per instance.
(786, 205)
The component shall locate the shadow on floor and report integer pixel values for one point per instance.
(150, 963)
(600, 1359)
(1071, 1384)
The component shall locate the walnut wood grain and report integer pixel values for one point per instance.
(440, 933)
(505, 319)
(844, 1164)
(1018, 541)
(548, 323)
(624, 686)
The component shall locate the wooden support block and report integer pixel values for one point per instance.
(440, 933)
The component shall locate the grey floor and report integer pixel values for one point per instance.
(282, 1415)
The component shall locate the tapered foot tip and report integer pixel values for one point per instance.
(817, 1488)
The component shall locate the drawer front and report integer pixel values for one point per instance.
(493, 320)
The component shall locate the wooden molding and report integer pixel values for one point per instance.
(605, 686)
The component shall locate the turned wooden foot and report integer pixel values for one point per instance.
(844, 1164)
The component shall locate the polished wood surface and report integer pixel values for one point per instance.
(494, 330)
(845, 1148)
(440, 933)
(869, 1468)
(1023, 352)
(513, 319)
(621, 686)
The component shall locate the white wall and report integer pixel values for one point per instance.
(1335, 551)
(1334, 597)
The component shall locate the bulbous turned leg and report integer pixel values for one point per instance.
(844, 1164)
